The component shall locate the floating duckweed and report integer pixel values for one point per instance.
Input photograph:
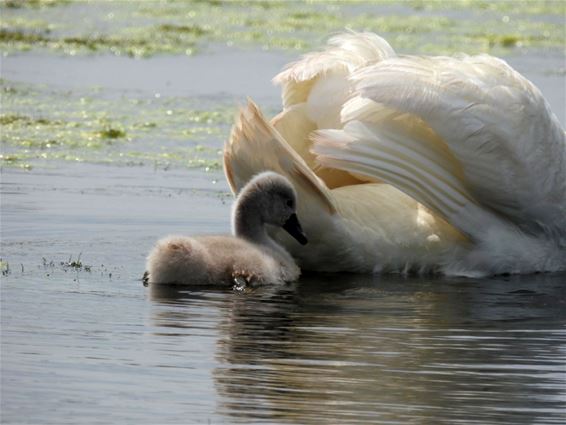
(4, 267)
(16, 23)
(71, 264)
(185, 27)
(89, 127)
(36, 4)
(21, 36)
(9, 158)
(302, 15)
(210, 2)
(146, 125)
(9, 119)
(207, 164)
(530, 7)
(116, 44)
(14, 161)
(195, 131)
(112, 133)
(211, 117)
(191, 29)
(509, 41)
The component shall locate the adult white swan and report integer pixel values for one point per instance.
(412, 163)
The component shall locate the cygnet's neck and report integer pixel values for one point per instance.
(248, 224)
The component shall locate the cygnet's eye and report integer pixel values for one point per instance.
(290, 203)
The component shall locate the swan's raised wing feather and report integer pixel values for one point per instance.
(295, 128)
(344, 53)
(255, 146)
(392, 153)
(495, 122)
(506, 142)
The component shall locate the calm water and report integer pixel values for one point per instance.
(329, 349)
(94, 346)
(83, 342)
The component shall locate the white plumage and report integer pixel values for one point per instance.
(412, 163)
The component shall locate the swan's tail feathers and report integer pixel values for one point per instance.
(387, 153)
(510, 146)
(255, 146)
(344, 53)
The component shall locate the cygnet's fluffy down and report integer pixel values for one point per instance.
(211, 260)
(251, 256)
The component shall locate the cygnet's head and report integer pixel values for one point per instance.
(272, 198)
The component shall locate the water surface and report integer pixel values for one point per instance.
(329, 349)
(103, 154)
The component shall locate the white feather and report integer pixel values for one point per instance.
(496, 124)
(451, 164)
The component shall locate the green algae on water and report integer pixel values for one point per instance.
(195, 30)
(188, 27)
(4, 267)
(112, 133)
(32, 4)
(523, 7)
(41, 125)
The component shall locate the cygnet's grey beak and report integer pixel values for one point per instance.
(293, 227)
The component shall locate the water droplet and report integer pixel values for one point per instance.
(239, 284)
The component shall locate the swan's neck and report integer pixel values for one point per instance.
(247, 224)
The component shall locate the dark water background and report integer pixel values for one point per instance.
(82, 341)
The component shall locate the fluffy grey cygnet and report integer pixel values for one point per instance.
(251, 256)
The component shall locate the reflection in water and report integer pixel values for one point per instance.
(353, 349)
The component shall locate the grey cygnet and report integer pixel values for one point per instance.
(251, 256)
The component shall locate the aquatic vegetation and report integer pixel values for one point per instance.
(14, 24)
(41, 125)
(51, 267)
(526, 7)
(196, 30)
(112, 133)
(188, 27)
(4, 267)
(34, 4)
(7, 119)
(20, 36)
(72, 264)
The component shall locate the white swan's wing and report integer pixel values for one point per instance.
(255, 146)
(295, 128)
(495, 141)
(344, 52)
(391, 153)
(314, 90)
(320, 79)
